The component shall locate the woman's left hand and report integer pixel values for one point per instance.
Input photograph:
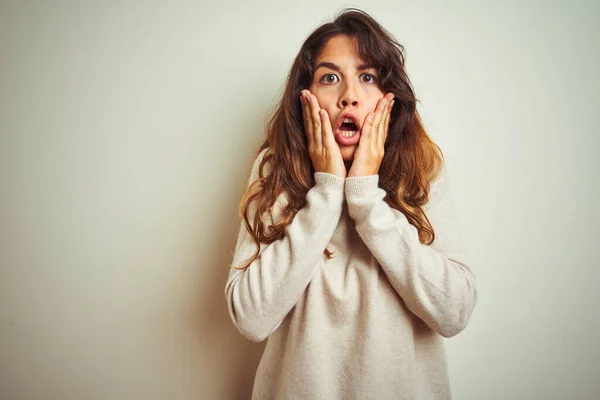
(369, 153)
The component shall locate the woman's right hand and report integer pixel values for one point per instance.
(322, 147)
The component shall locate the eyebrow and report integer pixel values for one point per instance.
(335, 67)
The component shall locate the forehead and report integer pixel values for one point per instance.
(338, 48)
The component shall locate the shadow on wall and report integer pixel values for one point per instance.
(226, 356)
(226, 361)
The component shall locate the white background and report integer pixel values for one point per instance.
(127, 132)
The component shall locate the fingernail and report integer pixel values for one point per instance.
(392, 104)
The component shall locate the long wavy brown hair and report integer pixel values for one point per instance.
(411, 160)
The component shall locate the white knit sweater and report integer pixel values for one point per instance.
(366, 324)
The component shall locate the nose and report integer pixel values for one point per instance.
(348, 97)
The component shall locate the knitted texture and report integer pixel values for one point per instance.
(367, 323)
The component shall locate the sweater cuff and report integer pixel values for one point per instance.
(359, 186)
(329, 181)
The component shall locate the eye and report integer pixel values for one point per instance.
(368, 78)
(329, 78)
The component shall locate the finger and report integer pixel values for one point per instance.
(316, 121)
(385, 125)
(328, 139)
(366, 131)
(379, 112)
(306, 119)
(378, 117)
(379, 123)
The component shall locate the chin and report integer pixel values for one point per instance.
(348, 152)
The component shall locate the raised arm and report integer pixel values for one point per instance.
(261, 296)
(434, 281)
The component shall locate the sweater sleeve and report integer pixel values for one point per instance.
(435, 281)
(260, 296)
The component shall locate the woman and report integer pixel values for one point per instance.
(349, 256)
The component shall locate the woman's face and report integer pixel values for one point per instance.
(345, 88)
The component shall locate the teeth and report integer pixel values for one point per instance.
(348, 120)
(348, 133)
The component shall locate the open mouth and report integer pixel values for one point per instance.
(348, 127)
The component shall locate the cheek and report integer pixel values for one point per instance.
(373, 103)
(326, 100)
